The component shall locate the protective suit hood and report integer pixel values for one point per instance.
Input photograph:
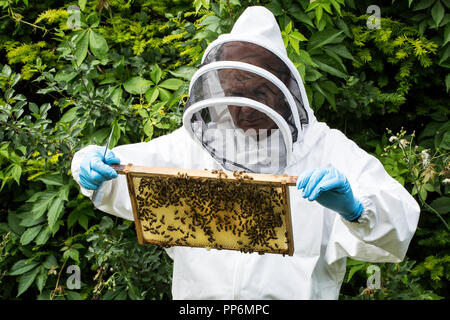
(248, 69)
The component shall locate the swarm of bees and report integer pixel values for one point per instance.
(219, 213)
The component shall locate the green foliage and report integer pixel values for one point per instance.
(126, 65)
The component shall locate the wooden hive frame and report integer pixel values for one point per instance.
(277, 237)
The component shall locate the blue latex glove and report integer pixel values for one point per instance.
(95, 169)
(331, 189)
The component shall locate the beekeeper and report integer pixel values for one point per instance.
(248, 110)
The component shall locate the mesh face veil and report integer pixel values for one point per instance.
(245, 108)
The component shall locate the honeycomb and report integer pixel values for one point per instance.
(238, 213)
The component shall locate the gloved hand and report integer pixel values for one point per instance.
(95, 169)
(331, 189)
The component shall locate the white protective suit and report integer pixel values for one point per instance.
(322, 239)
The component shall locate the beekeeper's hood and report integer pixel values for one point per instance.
(247, 104)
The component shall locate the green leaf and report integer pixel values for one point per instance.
(319, 14)
(184, 72)
(73, 254)
(312, 74)
(22, 266)
(29, 220)
(41, 279)
(14, 224)
(40, 206)
(65, 75)
(423, 5)
(288, 28)
(446, 35)
(152, 94)
(30, 234)
(340, 50)
(441, 204)
(73, 295)
(54, 212)
(26, 280)
(275, 7)
(137, 85)
(116, 95)
(437, 12)
(16, 172)
(116, 135)
(82, 4)
(322, 38)
(52, 179)
(98, 45)
(164, 94)
(70, 115)
(43, 236)
(6, 71)
(353, 270)
(444, 54)
(171, 84)
(302, 17)
(81, 47)
(445, 142)
(328, 66)
(148, 129)
(305, 58)
(155, 74)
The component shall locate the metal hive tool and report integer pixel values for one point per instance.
(211, 209)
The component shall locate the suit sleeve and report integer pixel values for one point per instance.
(390, 217)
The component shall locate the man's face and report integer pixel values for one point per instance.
(246, 84)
